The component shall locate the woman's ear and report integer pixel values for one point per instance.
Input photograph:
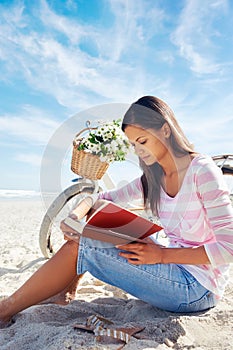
(166, 130)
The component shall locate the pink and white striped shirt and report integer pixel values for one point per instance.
(200, 214)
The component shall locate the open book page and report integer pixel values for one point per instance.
(111, 223)
(96, 233)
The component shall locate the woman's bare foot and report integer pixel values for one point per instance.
(60, 299)
(5, 324)
(5, 319)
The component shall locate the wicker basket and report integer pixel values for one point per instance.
(86, 164)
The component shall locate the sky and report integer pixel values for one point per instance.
(60, 59)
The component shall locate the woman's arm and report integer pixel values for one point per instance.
(82, 208)
(215, 198)
(151, 253)
(192, 256)
(77, 213)
(125, 194)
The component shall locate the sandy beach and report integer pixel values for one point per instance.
(51, 327)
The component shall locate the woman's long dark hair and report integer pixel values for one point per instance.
(150, 112)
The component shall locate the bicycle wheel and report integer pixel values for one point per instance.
(50, 236)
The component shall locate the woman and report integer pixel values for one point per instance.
(187, 192)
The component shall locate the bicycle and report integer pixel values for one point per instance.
(50, 237)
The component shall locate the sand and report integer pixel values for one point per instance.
(51, 326)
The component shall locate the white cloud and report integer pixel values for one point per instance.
(71, 4)
(70, 28)
(165, 56)
(211, 135)
(31, 125)
(14, 14)
(135, 23)
(29, 158)
(63, 70)
(195, 33)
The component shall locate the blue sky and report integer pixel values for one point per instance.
(58, 58)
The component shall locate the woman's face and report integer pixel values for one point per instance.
(149, 145)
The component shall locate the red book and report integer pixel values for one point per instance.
(111, 223)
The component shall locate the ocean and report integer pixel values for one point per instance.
(19, 194)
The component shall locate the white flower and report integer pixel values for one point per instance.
(107, 141)
(103, 159)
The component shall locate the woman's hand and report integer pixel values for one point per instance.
(152, 253)
(142, 253)
(67, 230)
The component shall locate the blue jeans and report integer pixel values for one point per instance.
(167, 286)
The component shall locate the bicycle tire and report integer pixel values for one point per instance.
(54, 209)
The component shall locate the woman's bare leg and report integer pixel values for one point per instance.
(51, 278)
(66, 295)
